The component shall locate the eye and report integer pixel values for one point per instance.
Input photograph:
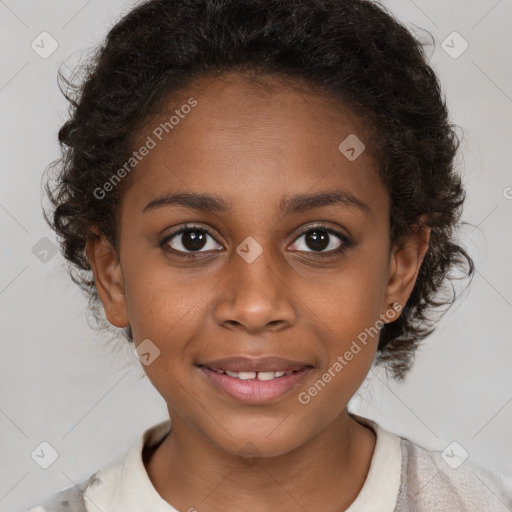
(190, 239)
(322, 239)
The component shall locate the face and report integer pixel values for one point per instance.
(260, 272)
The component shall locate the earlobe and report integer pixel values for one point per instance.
(108, 278)
(404, 266)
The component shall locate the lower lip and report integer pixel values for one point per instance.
(254, 391)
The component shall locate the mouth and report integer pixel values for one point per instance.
(259, 375)
(255, 381)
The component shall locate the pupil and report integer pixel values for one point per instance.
(317, 240)
(193, 240)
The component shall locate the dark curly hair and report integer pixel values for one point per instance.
(352, 50)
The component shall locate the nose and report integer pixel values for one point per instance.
(255, 296)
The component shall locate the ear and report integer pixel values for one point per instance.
(404, 265)
(108, 277)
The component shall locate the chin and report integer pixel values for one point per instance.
(252, 438)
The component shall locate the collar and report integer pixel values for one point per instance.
(125, 485)
(382, 485)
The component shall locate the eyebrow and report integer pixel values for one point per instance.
(287, 205)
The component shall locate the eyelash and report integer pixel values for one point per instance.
(194, 255)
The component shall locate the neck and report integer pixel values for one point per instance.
(325, 473)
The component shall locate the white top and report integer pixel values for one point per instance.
(402, 477)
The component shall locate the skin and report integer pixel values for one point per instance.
(252, 145)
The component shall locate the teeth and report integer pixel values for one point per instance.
(246, 375)
(266, 375)
(254, 375)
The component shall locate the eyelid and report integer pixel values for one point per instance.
(345, 240)
(190, 227)
(182, 229)
(323, 227)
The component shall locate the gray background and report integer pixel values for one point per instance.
(89, 398)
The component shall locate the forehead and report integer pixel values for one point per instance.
(253, 143)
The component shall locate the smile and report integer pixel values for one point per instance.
(254, 387)
(259, 375)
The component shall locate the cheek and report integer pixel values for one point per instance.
(349, 312)
(164, 304)
(351, 300)
(167, 309)
(350, 353)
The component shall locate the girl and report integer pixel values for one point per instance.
(262, 195)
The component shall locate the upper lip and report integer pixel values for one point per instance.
(253, 364)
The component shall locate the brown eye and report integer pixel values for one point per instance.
(320, 238)
(317, 240)
(190, 239)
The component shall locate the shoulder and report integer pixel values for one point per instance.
(71, 499)
(449, 481)
(111, 482)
